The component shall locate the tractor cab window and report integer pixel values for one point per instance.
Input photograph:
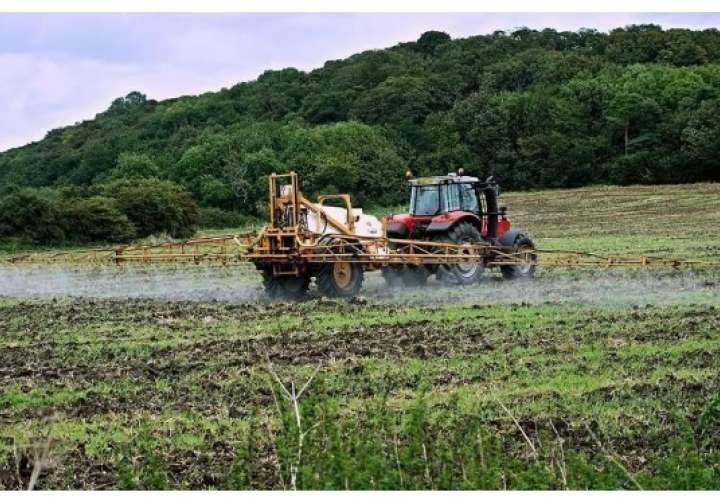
(425, 200)
(469, 199)
(452, 197)
(460, 197)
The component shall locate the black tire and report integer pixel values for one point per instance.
(331, 284)
(340, 279)
(526, 270)
(285, 287)
(462, 273)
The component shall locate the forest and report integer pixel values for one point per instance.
(535, 109)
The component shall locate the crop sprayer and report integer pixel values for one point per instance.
(454, 230)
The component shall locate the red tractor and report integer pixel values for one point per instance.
(459, 209)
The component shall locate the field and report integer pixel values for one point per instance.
(603, 379)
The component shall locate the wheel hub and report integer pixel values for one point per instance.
(342, 274)
(466, 269)
(526, 259)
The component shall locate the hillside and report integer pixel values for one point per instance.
(534, 108)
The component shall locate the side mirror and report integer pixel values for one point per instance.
(491, 182)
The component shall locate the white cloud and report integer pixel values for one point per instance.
(39, 92)
(207, 46)
(42, 91)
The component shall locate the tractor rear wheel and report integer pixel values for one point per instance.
(525, 269)
(462, 273)
(285, 287)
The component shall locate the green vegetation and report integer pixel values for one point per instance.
(536, 109)
(117, 211)
(425, 394)
(156, 395)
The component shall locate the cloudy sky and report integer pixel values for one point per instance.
(57, 69)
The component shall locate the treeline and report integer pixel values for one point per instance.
(535, 109)
(117, 211)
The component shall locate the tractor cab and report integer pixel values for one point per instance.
(434, 195)
(439, 202)
(460, 210)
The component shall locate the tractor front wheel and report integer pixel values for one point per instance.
(523, 249)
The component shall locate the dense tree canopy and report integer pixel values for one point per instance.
(534, 108)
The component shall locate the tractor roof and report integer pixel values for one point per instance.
(443, 179)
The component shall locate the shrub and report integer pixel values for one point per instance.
(115, 212)
(32, 215)
(96, 219)
(217, 218)
(155, 206)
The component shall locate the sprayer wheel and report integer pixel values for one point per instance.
(285, 287)
(340, 279)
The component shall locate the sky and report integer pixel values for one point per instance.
(59, 69)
